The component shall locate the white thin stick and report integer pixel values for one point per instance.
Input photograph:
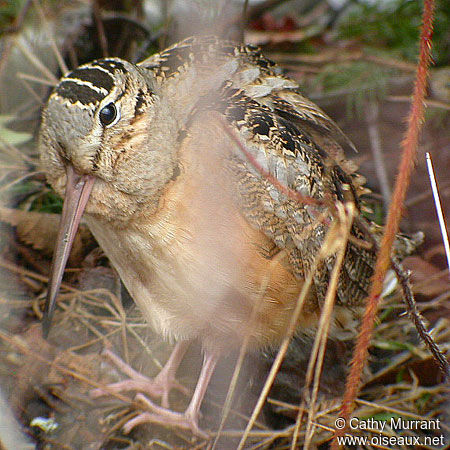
(438, 205)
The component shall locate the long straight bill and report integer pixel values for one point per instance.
(78, 189)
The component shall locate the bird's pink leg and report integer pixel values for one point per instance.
(187, 420)
(158, 387)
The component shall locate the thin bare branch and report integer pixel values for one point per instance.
(293, 195)
(51, 38)
(372, 118)
(96, 11)
(384, 257)
(25, 76)
(23, 46)
(346, 216)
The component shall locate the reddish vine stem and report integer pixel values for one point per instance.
(290, 193)
(409, 145)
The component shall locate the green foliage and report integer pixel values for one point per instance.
(9, 10)
(377, 215)
(34, 196)
(47, 201)
(395, 25)
(358, 81)
(385, 314)
(394, 345)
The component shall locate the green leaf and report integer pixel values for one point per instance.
(47, 202)
(393, 345)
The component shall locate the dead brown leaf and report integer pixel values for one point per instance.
(40, 231)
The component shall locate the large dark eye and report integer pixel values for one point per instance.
(107, 114)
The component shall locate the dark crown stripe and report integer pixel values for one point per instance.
(110, 65)
(97, 77)
(75, 92)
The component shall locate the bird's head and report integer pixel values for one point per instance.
(105, 120)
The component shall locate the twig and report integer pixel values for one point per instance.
(425, 195)
(315, 364)
(331, 57)
(36, 96)
(24, 348)
(15, 153)
(243, 21)
(408, 298)
(383, 261)
(372, 117)
(8, 42)
(39, 80)
(275, 37)
(417, 319)
(35, 61)
(290, 193)
(244, 347)
(100, 28)
(51, 38)
(428, 102)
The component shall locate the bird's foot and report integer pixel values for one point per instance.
(159, 387)
(157, 414)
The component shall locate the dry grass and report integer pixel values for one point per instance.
(59, 374)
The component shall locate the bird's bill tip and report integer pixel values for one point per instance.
(78, 190)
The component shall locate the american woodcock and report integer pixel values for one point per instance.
(198, 235)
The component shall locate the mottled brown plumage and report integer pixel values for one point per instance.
(199, 237)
